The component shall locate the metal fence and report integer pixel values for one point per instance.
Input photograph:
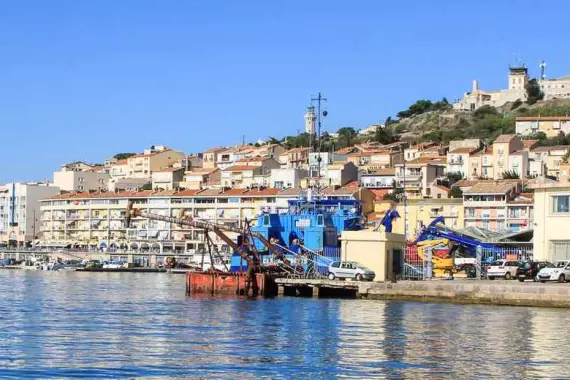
(408, 264)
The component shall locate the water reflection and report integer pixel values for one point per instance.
(70, 324)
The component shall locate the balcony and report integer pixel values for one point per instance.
(456, 161)
(410, 177)
(484, 203)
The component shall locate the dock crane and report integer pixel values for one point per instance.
(252, 259)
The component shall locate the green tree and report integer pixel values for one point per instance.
(346, 135)
(147, 186)
(454, 177)
(533, 92)
(273, 140)
(123, 156)
(383, 135)
(456, 192)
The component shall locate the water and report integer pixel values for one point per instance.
(124, 325)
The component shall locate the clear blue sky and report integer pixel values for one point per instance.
(83, 80)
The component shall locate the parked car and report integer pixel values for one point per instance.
(529, 270)
(350, 269)
(559, 271)
(506, 269)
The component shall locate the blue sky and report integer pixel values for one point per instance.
(87, 79)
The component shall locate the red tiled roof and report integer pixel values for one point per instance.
(379, 193)
(504, 138)
(542, 118)
(239, 168)
(463, 150)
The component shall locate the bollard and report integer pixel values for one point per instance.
(479, 256)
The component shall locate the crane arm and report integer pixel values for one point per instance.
(134, 212)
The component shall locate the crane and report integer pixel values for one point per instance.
(253, 260)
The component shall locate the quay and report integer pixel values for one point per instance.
(465, 291)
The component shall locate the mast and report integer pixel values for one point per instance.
(319, 100)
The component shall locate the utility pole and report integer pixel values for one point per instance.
(319, 100)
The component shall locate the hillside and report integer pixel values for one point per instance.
(485, 123)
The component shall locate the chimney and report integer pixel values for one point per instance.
(475, 85)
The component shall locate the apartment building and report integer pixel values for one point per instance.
(498, 205)
(167, 178)
(81, 179)
(285, 178)
(202, 178)
(20, 211)
(152, 159)
(117, 168)
(458, 161)
(341, 173)
(386, 159)
(416, 176)
(294, 158)
(210, 156)
(418, 150)
(551, 126)
(248, 172)
(547, 160)
(97, 219)
(319, 163)
(551, 240)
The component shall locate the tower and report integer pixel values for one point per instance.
(518, 77)
(310, 120)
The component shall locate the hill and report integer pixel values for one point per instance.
(485, 123)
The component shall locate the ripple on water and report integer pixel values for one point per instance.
(124, 325)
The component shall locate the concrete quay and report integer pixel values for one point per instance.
(470, 291)
(512, 293)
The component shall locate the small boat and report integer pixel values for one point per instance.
(31, 265)
(52, 266)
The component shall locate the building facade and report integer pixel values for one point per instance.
(20, 211)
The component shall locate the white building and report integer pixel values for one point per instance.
(517, 81)
(20, 211)
(287, 178)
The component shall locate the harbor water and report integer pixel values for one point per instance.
(126, 325)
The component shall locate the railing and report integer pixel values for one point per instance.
(467, 203)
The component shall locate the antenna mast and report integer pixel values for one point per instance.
(319, 99)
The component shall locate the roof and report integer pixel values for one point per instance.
(463, 150)
(385, 171)
(121, 162)
(215, 150)
(295, 150)
(504, 138)
(523, 198)
(425, 161)
(550, 148)
(201, 171)
(379, 193)
(542, 118)
(530, 143)
(239, 168)
(491, 187)
(167, 170)
(150, 154)
(346, 150)
(444, 188)
(253, 159)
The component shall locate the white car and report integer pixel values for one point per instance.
(350, 269)
(506, 269)
(559, 271)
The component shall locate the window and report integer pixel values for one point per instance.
(561, 204)
(80, 188)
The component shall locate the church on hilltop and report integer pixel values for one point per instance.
(555, 88)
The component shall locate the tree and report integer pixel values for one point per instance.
(454, 177)
(147, 186)
(510, 174)
(456, 192)
(346, 135)
(123, 156)
(383, 135)
(481, 112)
(533, 92)
(516, 104)
(273, 140)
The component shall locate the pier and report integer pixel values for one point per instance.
(511, 293)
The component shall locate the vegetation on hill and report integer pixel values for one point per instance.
(123, 156)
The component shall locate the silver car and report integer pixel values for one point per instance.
(350, 269)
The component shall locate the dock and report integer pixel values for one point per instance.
(464, 291)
